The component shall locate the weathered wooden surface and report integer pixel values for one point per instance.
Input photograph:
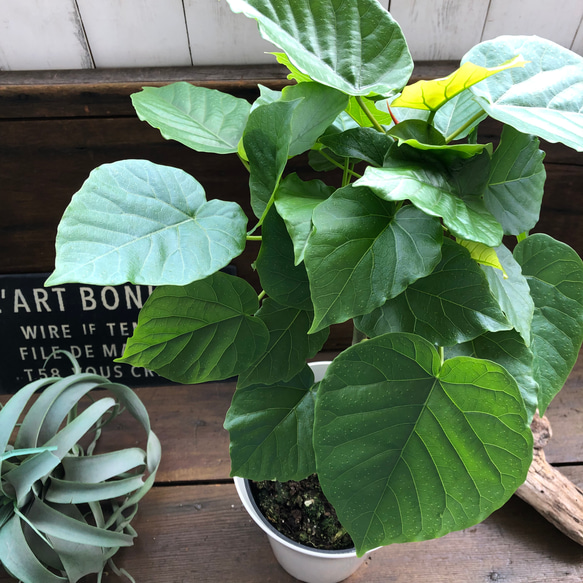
(192, 527)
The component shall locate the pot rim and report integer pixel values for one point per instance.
(244, 491)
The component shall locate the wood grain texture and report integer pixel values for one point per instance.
(135, 33)
(35, 34)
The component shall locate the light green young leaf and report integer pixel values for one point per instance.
(355, 47)
(290, 345)
(270, 429)
(408, 449)
(351, 256)
(451, 305)
(555, 275)
(355, 111)
(148, 224)
(201, 332)
(203, 119)
(483, 255)
(295, 201)
(544, 98)
(434, 93)
(294, 73)
(516, 183)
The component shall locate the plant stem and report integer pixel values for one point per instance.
(460, 130)
(442, 354)
(369, 114)
(522, 236)
(261, 295)
(346, 172)
(338, 165)
(254, 238)
(357, 335)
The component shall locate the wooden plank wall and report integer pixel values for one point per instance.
(79, 34)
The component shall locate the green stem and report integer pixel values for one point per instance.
(522, 236)
(338, 165)
(345, 173)
(462, 129)
(254, 238)
(369, 114)
(442, 354)
(261, 295)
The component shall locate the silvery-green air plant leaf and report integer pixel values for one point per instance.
(542, 98)
(353, 46)
(80, 503)
(147, 224)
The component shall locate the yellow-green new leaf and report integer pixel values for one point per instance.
(483, 254)
(432, 94)
(294, 73)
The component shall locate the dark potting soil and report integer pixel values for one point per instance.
(300, 511)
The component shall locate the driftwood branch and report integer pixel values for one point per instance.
(550, 492)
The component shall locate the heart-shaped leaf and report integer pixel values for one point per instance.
(352, 259)
(555, 275)
(203, 119)
(289, 346)
(271, 429)
(543, 98)
(353, 46)
(507, 349)
(408, 449)
(451, 193)
(148, 224)
(452, 305)
(365, 144)
(295, 201)
(201, 332)
(516, 183)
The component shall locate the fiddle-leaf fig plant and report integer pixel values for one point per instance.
(65, 505)
(415, 230)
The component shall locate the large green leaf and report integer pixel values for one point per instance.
(365, 144)
(203, 119)
(544, 98)
(408, 449)
(353, 254)
(516, 184)
(352, 45)
(295, 201)
(271, 428)
(452, 305)
(289, 346)
(318, 108)
(507, 349)
(283, 281)
(555, 276)
(148, 224)
(459, 116)
(266, 140)
(453, 193)
(201, 332)
(512, 291)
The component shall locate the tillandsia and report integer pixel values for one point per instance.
(65, 507)
(415, 230)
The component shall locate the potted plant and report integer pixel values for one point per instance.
(66, 507)
(465, 324)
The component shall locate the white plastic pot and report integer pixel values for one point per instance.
(304, 563)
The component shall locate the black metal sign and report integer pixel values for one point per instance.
(91, 322)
